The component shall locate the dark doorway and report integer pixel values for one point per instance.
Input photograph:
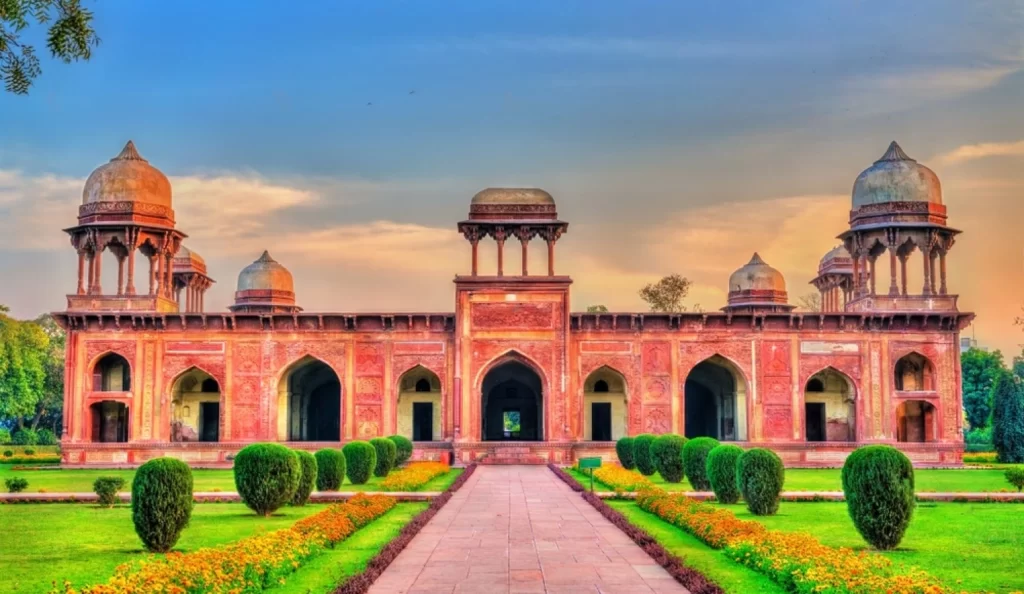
(710, 401)
(422, 421)
(314, 402)
(209, 421)
(512, 404)
(601, 421)
(814, 415)
(109, 422)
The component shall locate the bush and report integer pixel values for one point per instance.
(721, 472)
(1016, 477)
(878, 483)
(8, 453)
(45, 437)
(1008, 418)
(979, 437)
(667, 451)
(5, 436)
(307, 477)
(106, 487)
(403, 449)
(16, 484)
(759, 476)
(642, 454)
(360, 460)
(29, 452)
(330, 469)
(161, 502)
(624, 450)
(266, 476)
(695, 461)
(386, 452)
(25, 437)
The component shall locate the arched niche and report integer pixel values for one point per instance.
(715, 396)
(605, 410)
(112, 373)
(195, 407)
(914, 373)
(109, 421)
(512, 403)
(309, 402)
(419, 405)
(916, 422)
(830, 409)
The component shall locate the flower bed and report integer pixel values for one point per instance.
(249, 565)
(796, 561)
(413, 476)
(620, 479)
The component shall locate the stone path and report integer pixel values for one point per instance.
(519, 530)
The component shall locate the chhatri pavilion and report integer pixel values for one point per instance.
(512, 375)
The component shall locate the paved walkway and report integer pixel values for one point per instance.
(518, 529)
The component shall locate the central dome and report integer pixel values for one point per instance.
(265, 274)
(756, 276)
(127, 178)
(512, 196)
(896, 178)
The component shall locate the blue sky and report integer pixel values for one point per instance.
(661, 128)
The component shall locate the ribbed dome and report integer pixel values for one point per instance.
(896, 178)
(512, 196)
(265, 274)
(186, 254)
(756, 276)
(127, 177)
(837, 253)
(188, 261)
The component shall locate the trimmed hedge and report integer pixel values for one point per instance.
(45, 437)
(106, 488)
(360, 460)
(760, 476)
(330, 469)
(878, 483)
(667, 451)
(25, 437)
(624, 450)
(403, 449)
(721, 471)
(386, 452)
(642, 454)
(695, 461)
(266, 476)
(307, 477)
(161, 502)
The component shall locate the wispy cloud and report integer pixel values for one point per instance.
(877, 93)
(971, 152)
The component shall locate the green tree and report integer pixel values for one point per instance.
(979, 371)
(1008, 418)
(667, 294)
(23, 352)
(70, 37)
(597, 309)
(1018, 366)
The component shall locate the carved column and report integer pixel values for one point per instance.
(120, 275)
(942, 272)
(97, 263)
(856, 274)
(927, 253)
(903, 274)
(81, 272)
(931, 265)
(873, 276)
(499, 236)
(168, 272)
(523, 234)
(894, 289)
(130, 288)
(154, 264)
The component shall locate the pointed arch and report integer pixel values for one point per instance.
(914, 372)
(419, 404)
(196, 405)
(111, 372)
(605, 405)
(512, 390)
(309, 401)
(715, 399)
(830, 406)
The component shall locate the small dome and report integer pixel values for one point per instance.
(127, 177)
(757, 276)
(265, 274)
(512, 196)
(896, 178)
(188, 261)
(837, 252)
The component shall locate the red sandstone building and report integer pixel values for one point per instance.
(512, 374)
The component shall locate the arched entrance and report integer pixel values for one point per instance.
(109, 422)
(309, 402)
(512, 404)
(419, 405)
(915, 422)
(830, 407)
(604, 405)
(716, 401)
(195, 407)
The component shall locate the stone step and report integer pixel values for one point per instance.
(513, 460)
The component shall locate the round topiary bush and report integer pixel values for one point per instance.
(624, 450)
(642, 454)
(403, 449)
(667, 451)
(760, 475)
(45, 437)
(307, 477)
(266, 476)
(161, 502)
(878, 483)
(360, 460)
(106, 488)
(695, 461)
(721, 472)
(330, 469)
(16, 484)
(25, 437)
(386, 452)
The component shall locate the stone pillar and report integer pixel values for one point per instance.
(525, 242)
(188, 299)
(931, 266)
(856, 275)
(942, 272)
(154, 270)
(927, 289)
(894, 289)
(120, 275)
(168, 273)
(130, 288)
(873, 276)
(499, 236)
(903, 274)
(98, 272)
(81, 273)
(551, 257)
(475, 243)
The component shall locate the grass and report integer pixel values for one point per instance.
(80, 480)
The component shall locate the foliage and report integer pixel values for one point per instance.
(760, 475)
(25, 437)
(1008, 418)
(620, 479)
(413, 476)
(695, 461)
(979, 370)
(721, 472)
(45, 437)
(16, 484)
(667, 294)
(8, 453)
(5, 436)
(809, 302)
(106, 487)
(878, 484)
(979, 436)
(642, 454)
(307, 477)
(403, 449)
(1015, 476)
(330, 473)
(360, 460)
(667, 451)
(31, 367)
(161, 502)
(597, 309)
(624, 450)
(386, 452)
(70, 37)
(266, 476)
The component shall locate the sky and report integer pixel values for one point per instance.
(675, 137)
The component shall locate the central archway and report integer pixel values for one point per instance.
(715, 400)
(512, 407)
(309, 402)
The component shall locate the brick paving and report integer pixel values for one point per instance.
(519, 530)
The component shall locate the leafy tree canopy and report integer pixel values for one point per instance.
(70, 37)
(667, 294)
(31, 371)
(597, 309)
(979, 371)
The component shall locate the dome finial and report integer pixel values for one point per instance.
(265, 257)
(756, 259)
(894, 153)
(129, 153)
